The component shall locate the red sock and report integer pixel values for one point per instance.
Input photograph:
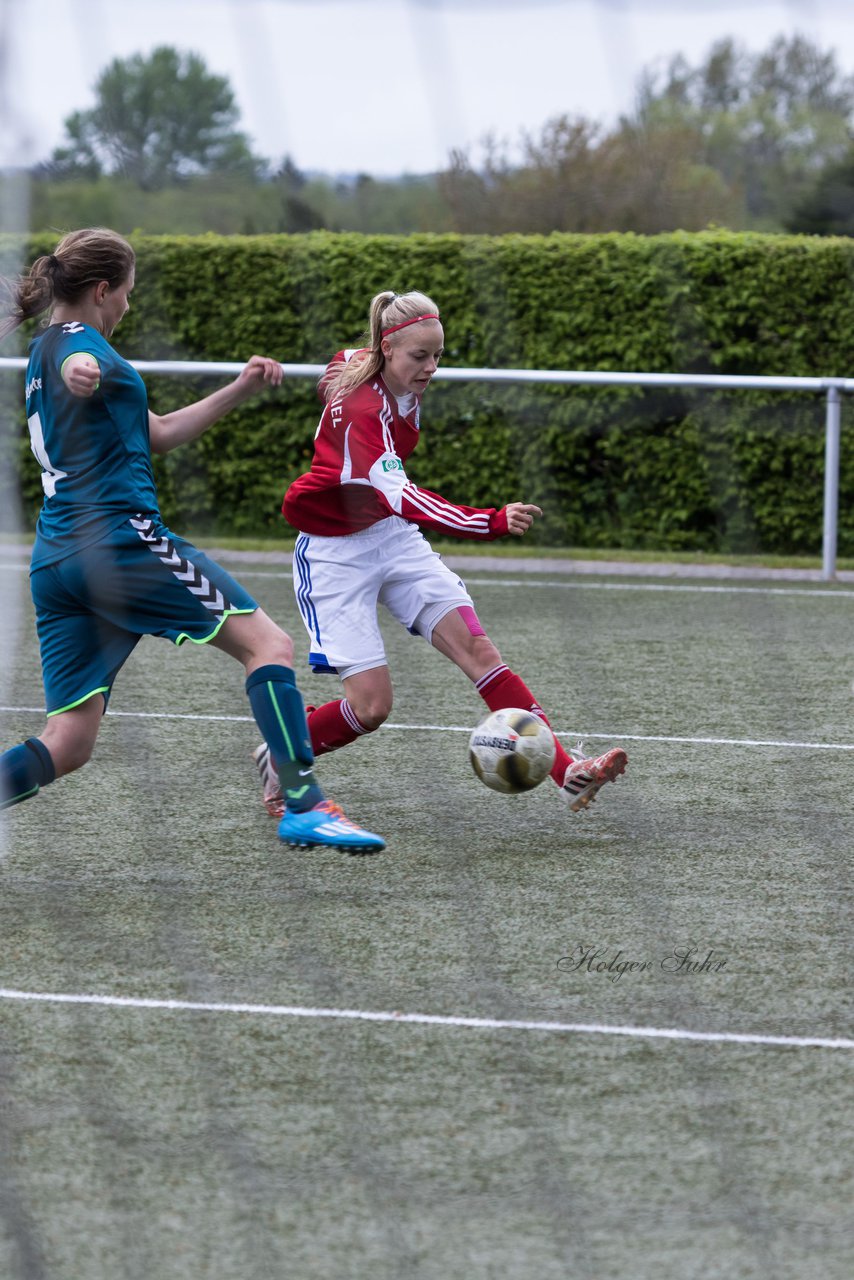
(501, 688)
(333, 725)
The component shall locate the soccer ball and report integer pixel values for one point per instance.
(512, 750)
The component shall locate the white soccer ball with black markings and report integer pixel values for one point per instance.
(512, 750)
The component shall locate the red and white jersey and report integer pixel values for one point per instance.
(357, 474)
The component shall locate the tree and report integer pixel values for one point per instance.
(554, 188)
(769, 123)
(574, 178)
(828, 210)
(156, 120)
(296, 213)
(739, 140)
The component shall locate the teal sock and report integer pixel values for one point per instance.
(279, 712)
(23, 770)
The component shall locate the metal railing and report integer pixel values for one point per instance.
(831, 388)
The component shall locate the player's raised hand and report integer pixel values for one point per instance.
(258, 371)
(520, 517)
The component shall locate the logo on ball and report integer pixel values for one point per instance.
(512, 750)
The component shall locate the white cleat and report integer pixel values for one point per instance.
(584, 777)
(274, 801)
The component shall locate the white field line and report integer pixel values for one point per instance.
(500, 581)
(562, 585)
(467, 728)
(660, 586)
(430, 1019)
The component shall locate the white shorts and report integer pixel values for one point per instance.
(339, 582)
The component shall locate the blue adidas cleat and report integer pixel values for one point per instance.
(327, 824)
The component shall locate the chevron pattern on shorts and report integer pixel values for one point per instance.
(184, 570)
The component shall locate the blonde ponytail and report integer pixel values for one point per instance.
(388, 312)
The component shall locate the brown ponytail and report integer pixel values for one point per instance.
(80, 260)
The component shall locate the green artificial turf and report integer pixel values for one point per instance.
(180, 1144)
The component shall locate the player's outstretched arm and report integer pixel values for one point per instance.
(520, 517)
(169, 430)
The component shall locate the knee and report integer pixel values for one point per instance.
(74, 756)
(373, 711)
(70, 737)
(275, 649)
(255, 640)
(281, 650)
(69, 754)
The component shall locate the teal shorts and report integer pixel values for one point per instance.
(94, 606)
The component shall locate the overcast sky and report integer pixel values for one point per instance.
(381, 86)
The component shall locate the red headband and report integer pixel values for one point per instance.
(415, 320)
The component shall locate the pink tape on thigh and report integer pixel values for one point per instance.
(471, 620)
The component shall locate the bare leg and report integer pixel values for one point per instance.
(66, 743)
(370, 695)
(477, 656)
(255, 640)
(70, 735)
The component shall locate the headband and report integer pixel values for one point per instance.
(415, 320)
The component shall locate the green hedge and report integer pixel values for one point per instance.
(660, 469)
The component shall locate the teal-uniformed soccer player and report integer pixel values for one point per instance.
(105, 570)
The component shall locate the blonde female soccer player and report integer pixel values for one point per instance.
(105, 570)
(360, 545)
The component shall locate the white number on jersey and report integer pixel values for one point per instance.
(50, 474)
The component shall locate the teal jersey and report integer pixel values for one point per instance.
(94, 451)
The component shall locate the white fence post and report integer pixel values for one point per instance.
(831, 482)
